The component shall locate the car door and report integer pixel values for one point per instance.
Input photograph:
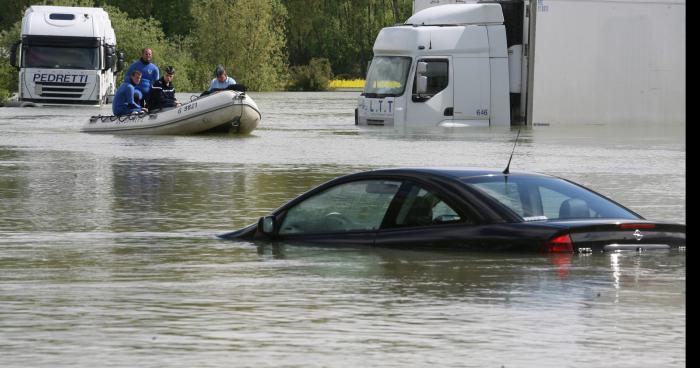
(422, 218)
(346, 213)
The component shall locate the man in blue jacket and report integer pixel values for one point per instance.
(123, 103)
(149, 74)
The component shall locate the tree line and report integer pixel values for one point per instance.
(264, 44)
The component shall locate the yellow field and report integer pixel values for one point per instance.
(347, 83)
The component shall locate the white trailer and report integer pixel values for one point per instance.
(67, 55)
(512, 62)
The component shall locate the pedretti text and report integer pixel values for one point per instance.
(61, 78)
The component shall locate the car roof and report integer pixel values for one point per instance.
(454, 172)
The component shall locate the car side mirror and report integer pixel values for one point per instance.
(266, 225)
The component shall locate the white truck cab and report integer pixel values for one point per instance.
(446, 66)
(67, 55)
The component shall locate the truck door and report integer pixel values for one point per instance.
(432, 103)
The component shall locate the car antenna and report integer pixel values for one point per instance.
(507, 170)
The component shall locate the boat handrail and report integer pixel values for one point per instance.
(121, 118)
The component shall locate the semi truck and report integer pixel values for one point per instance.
(66, 56)
(520, 62)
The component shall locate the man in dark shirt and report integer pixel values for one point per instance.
(163, 92)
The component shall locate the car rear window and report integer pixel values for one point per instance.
(547, 198)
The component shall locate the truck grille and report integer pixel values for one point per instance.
(60, 89)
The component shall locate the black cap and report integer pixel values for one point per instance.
(219, 70)
(169, 70)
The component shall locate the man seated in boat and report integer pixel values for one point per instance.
(163, 92)
(124, 103)
(223, 82)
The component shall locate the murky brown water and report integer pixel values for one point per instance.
(108, 254)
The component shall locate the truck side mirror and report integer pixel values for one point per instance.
(421, 68)
(109, 61)
(110, 57)
(421, 79)
(421, 84)
(120, 62)
(266, 225)
(14, 60)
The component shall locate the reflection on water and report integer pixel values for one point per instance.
(108, 254)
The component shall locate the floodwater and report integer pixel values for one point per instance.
(108, 253)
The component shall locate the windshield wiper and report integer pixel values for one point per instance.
(379, 95)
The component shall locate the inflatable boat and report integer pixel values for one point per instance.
(220, 111)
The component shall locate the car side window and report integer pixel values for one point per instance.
(354, 206)
(551, 202)
(560, 206)
(547, 198)
(507, 193)
(421, 207)
(532, 201)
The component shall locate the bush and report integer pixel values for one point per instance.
(8, 74)
(312, 77)
(8, 80)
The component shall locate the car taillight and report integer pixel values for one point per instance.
(560, 244)
(637, 226)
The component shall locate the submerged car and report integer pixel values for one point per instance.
(470, 209)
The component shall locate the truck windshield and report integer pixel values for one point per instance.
(387, 76)
(61, 57)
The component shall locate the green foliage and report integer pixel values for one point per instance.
(312, 77)
(247, 37)
(8, 74)
(343, 31)
(5, 87)
(81, 3)
(174, 15)
(12, 11)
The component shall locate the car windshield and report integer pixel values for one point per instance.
(547, 198)
(61, 57)
(387, 76)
